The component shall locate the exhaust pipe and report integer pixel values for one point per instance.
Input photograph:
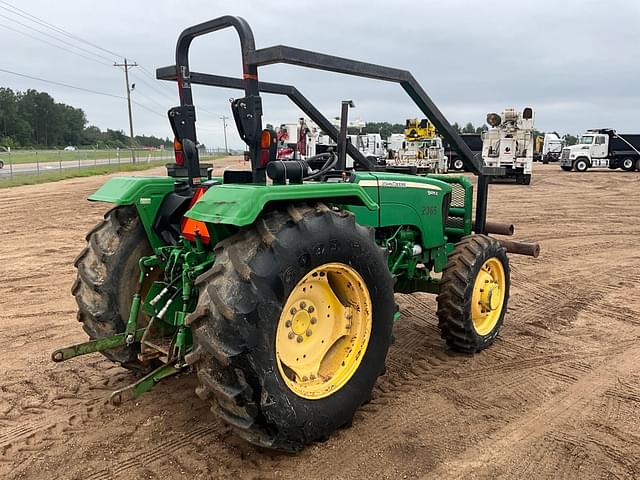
(521, 248)
(499, 228)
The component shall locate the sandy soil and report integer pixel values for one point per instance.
(557, 396)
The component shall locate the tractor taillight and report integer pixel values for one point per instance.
(191, 228)
(268, 147)
(177, 152)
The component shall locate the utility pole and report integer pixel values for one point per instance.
(224, 119)
(127, 66)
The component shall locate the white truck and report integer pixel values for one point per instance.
(552, 147)
(509, 143)
(602, 148)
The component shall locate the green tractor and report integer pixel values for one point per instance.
(276, 284)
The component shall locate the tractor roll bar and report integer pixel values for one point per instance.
(252, 59)
(197, 78)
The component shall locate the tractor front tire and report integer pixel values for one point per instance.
(474, 292)
(107, 278)
(262, 351)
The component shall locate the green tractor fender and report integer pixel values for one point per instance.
(146, 193)
(240, 204)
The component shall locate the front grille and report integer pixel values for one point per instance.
(455, 222)
(565, 154)
(457, 195)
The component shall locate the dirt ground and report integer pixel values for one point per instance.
(557, 396)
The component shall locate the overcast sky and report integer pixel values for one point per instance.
(575, 62)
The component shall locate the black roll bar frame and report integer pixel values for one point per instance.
(253, 58)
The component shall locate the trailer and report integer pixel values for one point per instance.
(602, 148)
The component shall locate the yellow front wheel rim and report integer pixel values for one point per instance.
(488, 296)
(323, 331)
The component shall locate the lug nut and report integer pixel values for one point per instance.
(303, 305)
(309, 332)
(299, 338)
(314, 320)
(348, 316)
(293, 310)
(291, 335)
(310, 309)
(304, 379)
(288, 323)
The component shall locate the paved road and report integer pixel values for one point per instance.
(44, 167)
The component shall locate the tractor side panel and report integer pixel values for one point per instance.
(412, 200)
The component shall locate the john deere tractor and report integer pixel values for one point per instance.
(276, 284)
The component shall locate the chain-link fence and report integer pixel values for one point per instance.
(18, 163)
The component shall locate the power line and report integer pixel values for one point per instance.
(153, 87)
(44, 23)
(62, 84)
(55, 38)
(54, 45)
(144, 107)
(202, 109)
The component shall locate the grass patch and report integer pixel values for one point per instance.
(28, 179)
(47, 156)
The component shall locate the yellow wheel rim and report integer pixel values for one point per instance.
(488, 296)
(324, 330)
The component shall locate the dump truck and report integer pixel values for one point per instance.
(602, 148)
(275, 284)
(472, 140)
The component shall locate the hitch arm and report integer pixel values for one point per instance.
(98, 345)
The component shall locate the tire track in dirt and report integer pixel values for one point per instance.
(576, 400)
(31, 434)
(142, 459)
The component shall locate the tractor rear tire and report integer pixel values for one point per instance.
(238, 348)
(107, 279)
(469, 317)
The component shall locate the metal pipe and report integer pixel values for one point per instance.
(521, 248)
(481, 203)
(499, 228)
(342, 138)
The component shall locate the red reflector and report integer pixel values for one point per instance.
(191, 228)
(264, 157)
(179, 157)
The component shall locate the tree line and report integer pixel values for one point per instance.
(34, 119)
